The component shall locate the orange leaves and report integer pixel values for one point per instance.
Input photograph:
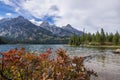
(45, 55)
(78, 60)
(23, 65)
(28, 56)
(12, 51)
(61, 52)
(49, 51)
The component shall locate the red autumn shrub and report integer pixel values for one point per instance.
(22, 65)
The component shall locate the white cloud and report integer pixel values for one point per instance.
(8, 14)
(36, 22)
(6, 1)
(89, 14)
(1, 18)
(17, 9)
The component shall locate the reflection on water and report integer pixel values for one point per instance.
(103, 61)
(106, 64)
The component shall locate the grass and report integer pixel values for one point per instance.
(97, 45)
(103, 46)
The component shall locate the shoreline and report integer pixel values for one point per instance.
(103, 46)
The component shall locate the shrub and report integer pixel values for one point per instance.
(22, 65)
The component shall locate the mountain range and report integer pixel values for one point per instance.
(21, 30)
(67, 30)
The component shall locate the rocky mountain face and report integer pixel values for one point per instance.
(22, 30)
(55, 30)
(67, 30)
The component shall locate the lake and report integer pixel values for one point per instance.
(103, 61)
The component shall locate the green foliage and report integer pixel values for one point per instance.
(1, 41)
(102, 37)
(88, 37)
(93, 37)
(98, 38)
(38, 40)
(110, 37)
(75, 40)
(116, 38)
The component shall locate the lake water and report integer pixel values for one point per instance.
(103, 61)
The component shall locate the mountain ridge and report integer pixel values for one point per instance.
(19, 30)
(68, 27)
(67, 30)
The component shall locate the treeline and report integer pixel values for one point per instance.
(48, 40)
(1, 41)
(98, 38)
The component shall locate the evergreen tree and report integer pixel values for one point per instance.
(116, 38)
(93, 38)
(1, 41)
(75, 40)
(71, 41)
(97, 37)
(110, 37)
(107, 37)
(102, 37)
(88, 37)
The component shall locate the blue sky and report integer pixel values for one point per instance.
(5, 9)
(89, 14)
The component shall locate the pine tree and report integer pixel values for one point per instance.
(71, 40)
(97, 37)
(107, 36)
(93, 38)
(75, 40)
(88, 37)
(110, 37)
(116, 38)
(102, 37)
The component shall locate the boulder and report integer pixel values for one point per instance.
(117, 51)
